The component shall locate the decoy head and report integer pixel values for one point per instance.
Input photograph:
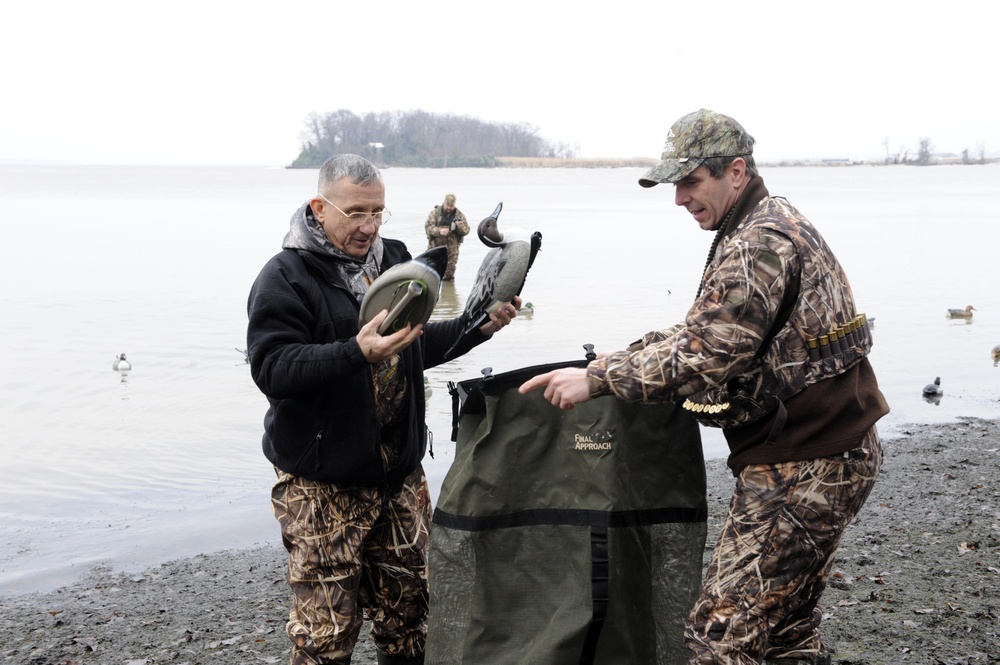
(488, 230)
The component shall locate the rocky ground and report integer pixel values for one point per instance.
(916, 579)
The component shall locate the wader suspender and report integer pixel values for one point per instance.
(784, 313)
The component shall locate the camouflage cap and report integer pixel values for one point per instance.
(694, 138)
(449, 199)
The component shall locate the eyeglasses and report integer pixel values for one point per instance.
(361, 218)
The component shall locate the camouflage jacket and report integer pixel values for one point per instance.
(718, 359)
(435, 220)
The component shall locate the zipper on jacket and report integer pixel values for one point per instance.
(316, 442)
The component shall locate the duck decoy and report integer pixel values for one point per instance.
(527, 310)
(995, 354)
(501, 275)
(121, 364)
(409, 290)
(428, 390)
(933, 389)
(961, 313)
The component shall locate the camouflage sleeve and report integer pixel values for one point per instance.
(430, 226)
(660, 335)
(721, 332)
(461, 224)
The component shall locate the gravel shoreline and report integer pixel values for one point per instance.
(916, 579)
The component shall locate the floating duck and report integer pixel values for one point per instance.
(995, 354)
(961, 313)
(933, 392)
(428, 391)
(501, 274)
(527, 310)
(122, 364)
(932, 389)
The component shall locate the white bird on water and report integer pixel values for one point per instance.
(122, 364)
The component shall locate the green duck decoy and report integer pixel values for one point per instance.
(408, 290)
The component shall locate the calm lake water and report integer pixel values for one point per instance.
(156, 262)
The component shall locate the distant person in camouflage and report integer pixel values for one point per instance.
(774, 352)
(447, 226)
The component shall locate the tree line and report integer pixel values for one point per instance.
(420, 139)
(924, 156)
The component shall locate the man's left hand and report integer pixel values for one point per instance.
(501, 317)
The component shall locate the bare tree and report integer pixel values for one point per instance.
(924, 153)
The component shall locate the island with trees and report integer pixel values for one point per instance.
(428, 140)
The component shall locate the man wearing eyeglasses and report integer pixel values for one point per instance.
(345, 425)
(446, 226)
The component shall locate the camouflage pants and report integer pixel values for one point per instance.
(761, 591)
(352, 551)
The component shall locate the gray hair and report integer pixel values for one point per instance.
(358, 169)
(717, 165)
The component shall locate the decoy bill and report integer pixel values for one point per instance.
(502, 273)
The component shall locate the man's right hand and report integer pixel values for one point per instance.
(377, 347)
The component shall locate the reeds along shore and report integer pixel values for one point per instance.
(558, 162)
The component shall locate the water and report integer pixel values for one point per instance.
(156, 262)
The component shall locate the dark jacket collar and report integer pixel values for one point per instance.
(754, 193)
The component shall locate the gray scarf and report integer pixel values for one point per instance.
(306, 233)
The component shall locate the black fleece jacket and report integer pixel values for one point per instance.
(304, 357)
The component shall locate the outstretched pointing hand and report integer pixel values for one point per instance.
(565, 388)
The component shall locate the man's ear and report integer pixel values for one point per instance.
(738, 167)
(318, 206)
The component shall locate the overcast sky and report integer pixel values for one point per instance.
(223, 82)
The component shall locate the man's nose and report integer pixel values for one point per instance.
(680, 196)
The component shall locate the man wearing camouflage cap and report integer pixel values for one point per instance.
(773, 351)
(446, 226)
